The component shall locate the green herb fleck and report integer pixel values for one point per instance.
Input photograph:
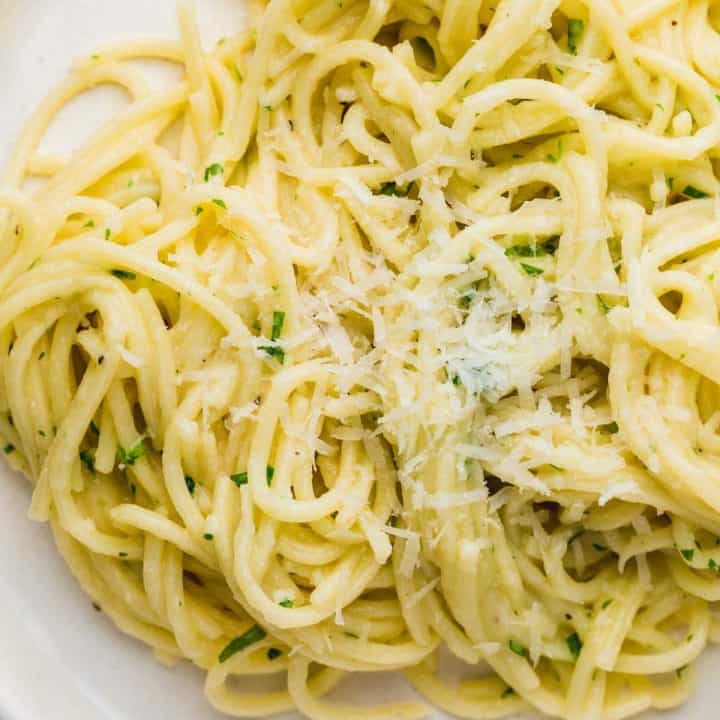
(133, 454)
(391, 188)
(212, 171)
(693, 192)
(531, 269)
(517, 648)
(122, 554)
(41, 433)
(606, 604)
(89, 224)
(199, 210)
(576, 27)
(253, 635)
(123, 274)
(277, 325)
(107, 233)
(8, 449)
(507, 692)
(208, 536)
(688, 554)
(274, 653)
(240, 478)
(549, 247)
(41, 356)
(190, 484)
(269, 473)
(87, 460)
(220, 203)
(274, 352)
(574, 644)
(287, 603)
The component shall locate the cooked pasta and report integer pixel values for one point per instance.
(390, 327)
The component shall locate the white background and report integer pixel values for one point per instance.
(59, 659)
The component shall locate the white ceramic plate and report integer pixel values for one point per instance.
(59, 659)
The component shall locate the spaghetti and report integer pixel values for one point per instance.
(392, 326)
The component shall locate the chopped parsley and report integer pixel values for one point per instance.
(199, 210)
(107, 233)
(89, 224)
(240, 478)
(253, 635)
(87, 460)
(41, 356)
(220, 203)
(41, 433)
(274, 352)
(392, 188)
(287, 603)
(688, 554)
(574, 644)
(122, 554)
(190, 484)
(208, 536)
(531, 269)
(123, 274)
(606, 604)
(517, 648)
(693, 192)
(277, 325)
(212, 171)
(8, 449)
(273, 653)
(133, 453)
(576, 28)
(549, 247)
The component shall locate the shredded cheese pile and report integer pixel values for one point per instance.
(392, 326)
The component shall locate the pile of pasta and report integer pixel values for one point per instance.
(390, 329)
